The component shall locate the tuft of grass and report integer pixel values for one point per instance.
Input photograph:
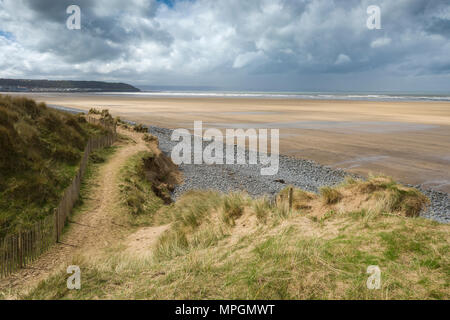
(96, 158)
(233, 207)
(349, 181)
(149, 138)
(262, 208)
(281, 210)
(376, 196)
(140, 128)
(136, 190)
(94, 111)
(171, 244)
(393, 197)
(190, 224)
(330, 195)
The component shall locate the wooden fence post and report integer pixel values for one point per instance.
(19, 250)
(291, 192)
(56, 214)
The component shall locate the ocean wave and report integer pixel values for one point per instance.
(283, 95)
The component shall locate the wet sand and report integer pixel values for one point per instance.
(407, 140)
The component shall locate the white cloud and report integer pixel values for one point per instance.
(244, 59)
(342, 59)
(380, 42)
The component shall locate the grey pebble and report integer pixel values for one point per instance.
(304, 174)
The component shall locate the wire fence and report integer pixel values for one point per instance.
(20, 249)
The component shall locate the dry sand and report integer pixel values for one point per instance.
(407, 140)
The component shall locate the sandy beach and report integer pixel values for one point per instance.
(407, 140)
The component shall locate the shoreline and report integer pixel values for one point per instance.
(409, 141)
(302, 173)
(294, 96)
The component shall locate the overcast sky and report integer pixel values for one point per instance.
(303, 45)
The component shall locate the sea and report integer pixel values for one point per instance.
(367, 96)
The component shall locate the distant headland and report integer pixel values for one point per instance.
(25, 85)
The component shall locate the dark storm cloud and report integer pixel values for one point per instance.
(439, 26)
(54, 11)
(263, 41)
(101, 38)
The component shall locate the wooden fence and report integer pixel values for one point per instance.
(106, 124)
(19, 249)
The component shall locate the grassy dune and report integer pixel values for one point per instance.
(222, 246)
(137, 195)
(40, 153)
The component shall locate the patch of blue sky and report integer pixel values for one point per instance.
(7, 35)
(168, 3)
(171, 3)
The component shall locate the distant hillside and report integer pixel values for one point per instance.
(64, 85)
(40, 152)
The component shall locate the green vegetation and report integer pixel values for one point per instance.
(40, 152)
(68, 85)
(261, 207)
(392, 196)
(201, 256)
(376, 195)
(233, 207)
(186, 216)
(140, 128)
(94, 111)
(330, 195)
(229, 246)
(122, 124)
(149, 138)
(137, 193)
(104, 116)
